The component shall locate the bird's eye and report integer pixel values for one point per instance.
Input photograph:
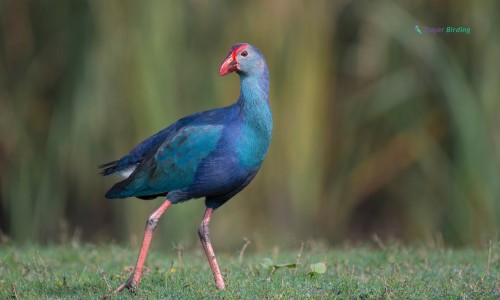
(244, 53)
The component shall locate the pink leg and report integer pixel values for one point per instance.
(134, 279)
(209, 251)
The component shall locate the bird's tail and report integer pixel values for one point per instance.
(108, 168)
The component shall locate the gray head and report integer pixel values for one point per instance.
(243, 59)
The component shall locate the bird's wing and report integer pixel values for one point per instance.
(138, 153)
(172, 165)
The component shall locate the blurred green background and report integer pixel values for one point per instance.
(378, 130)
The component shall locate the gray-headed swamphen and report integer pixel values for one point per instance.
(212, 154)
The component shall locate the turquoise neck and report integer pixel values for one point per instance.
(257, 128)
(254, 102)
(254, 90)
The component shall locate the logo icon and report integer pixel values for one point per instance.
(417, 30)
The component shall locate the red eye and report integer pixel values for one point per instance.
(244, 53)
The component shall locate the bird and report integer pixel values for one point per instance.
(213, 154)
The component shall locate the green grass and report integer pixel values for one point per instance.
(361, 272)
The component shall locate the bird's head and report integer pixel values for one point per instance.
(243, 59)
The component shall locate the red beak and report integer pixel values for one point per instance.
(229, 65)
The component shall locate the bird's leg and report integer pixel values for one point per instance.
(134, 279)
(209, 251)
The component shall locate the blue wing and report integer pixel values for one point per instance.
(168, 160)
(172, 166)
(139, 152)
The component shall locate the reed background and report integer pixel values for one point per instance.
(378, 130)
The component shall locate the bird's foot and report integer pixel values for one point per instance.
(131, 284)
(219, 282)
(220, 286)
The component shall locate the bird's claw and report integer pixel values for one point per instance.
(130, 284)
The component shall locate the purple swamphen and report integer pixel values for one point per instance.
(212, 154)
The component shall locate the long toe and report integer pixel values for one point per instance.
(130, 284)
(220, 285)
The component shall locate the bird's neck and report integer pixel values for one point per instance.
(257, 127)
(254, 103)
(254, 91)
